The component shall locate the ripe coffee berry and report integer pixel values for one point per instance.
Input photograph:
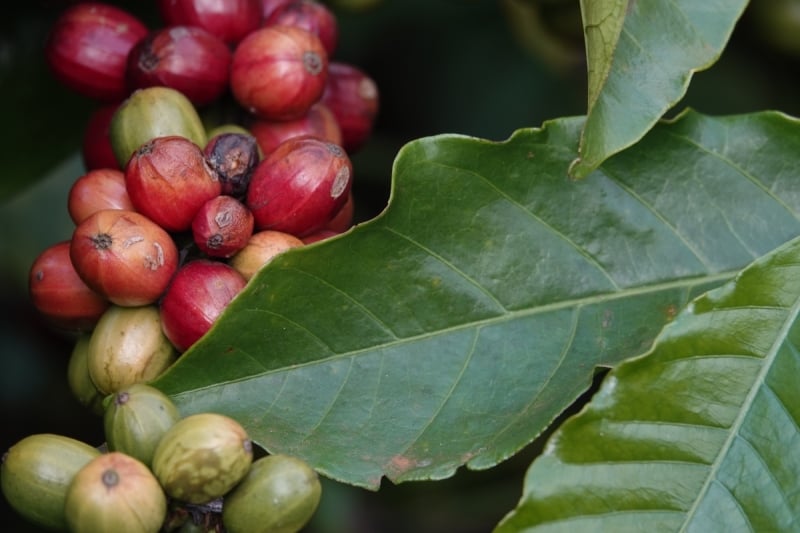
(124, 256)
(279, 72)
(189, 59)
(222, 227)
(96, 149)
(318, 122)
(198, 294)
(88, 47)
(168, 180)
(60, 295)
(101, 188)
(229, 20)
(300, 186)
(353, 98)
(309, 15)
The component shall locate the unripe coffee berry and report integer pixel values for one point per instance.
(202, 457)
(115, 493)
(262, 248)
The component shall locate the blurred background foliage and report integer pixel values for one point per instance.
(475, 67)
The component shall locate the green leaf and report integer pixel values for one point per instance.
(641, 55)
(700, 434)
(456, 326)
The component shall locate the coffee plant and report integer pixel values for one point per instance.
(298, 279)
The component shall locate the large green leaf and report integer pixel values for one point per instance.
(701, 434)
(453, 328)
(641, 55)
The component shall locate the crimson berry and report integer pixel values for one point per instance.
(300, 186)
(318, 122)
(189, 59)
(352, 96)
(309, 15)
(168, 180)
(279, 72)
(197, 295)
(222, 227)
(60, 295)
(229, 20)
(88, 47)
(124, 256)
(96, 149)
(100, 188)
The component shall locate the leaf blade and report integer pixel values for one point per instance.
(636, 73)
(697, 429)
(455, 327)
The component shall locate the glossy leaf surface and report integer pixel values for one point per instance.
(453, 328)
(641, 55)
(701, 434)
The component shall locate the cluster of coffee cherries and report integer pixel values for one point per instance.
(175, 215)
(158, 472)
(176, 212)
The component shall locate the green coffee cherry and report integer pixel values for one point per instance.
(78, 378)
(135, 420)
(115, 493)
(279, 495)
(202, 457)
(36, 474)
(149, 113)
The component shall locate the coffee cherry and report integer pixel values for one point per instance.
(78, 379)
(198, 294)
(310, 15)
(261, 248)
(318, 122)
(128, 347)
(135, 420)
(88, 47)
(279, 72)
(36, 473)
(343, 220)
(115, 492)
(222, 227)
(124, 256)
(98, 189)
(59, 294)
(300, 186)
(96, 149)
(268, 6)
(229, 20)
(150, 113)
(169, 180)
(353, 98)
(320, 235)
(189, 59)
(233, 155)
(279, 495)
(202, 457)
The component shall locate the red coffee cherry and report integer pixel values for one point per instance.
(222, 227)
(318, 122)
(268, 6)
(124, 256)
(198, 294)
(309, 15)
(96, 149)
(229, 20)
(88, 47)
(189, 59)
(100, 188)
(169, 180)
(60, 295)
(300, 186)
(343, 220)
(353, 98)
(279, 72)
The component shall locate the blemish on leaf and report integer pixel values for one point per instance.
(671, 311)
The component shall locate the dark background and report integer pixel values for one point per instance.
(475, 67)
